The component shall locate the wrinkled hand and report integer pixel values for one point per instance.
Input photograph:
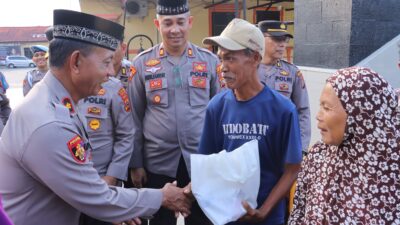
(110, 180)
(138, 177)
(134, 221)
(175, 200)
(252, 215)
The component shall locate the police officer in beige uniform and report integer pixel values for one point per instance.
(109, 125)
(169, 93)
(44, 149)
(284, 77)
(34, 76)
(122, 66)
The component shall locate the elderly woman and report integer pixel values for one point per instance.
(353, 175)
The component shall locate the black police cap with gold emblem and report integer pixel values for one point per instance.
(172, 7)
(274, 28)
(87, 28)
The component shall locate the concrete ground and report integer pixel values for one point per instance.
(315, 80)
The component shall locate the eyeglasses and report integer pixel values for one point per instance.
(279, 39)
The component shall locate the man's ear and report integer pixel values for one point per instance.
(74, 61)
(157, 23)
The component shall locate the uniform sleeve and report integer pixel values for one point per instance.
(137, 97)
(123, 134)
(300, 99)
(26, 85)
(208, 140)
(50, 160)
(291, 137)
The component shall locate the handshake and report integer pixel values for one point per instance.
(177, 199)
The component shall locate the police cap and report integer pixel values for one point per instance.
(274, 28)
(39, 48)
(172, 7)
(87, 28)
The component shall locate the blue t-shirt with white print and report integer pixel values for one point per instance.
(268, 117)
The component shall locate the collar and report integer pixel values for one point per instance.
(189, 52)
(61, 94)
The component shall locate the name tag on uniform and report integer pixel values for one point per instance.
(94, 110)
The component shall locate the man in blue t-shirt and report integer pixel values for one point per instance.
(250, 110)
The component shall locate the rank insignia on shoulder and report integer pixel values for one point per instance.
(94, 110)
(152, 62)
(102, 92)
(302, 82)
(77, 150)
(156, 99)
(124, 96)
(94, 124)
(133, 73)
(284, 73)
(68, 103)
(200, 66)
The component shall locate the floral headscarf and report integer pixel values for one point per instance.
(357, 182)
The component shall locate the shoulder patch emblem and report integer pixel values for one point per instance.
(190, 52)
(302, 82)
(68, 103)
(94, 124)
(133, 73)
(94, 110)
(124, 96)
(102, 92)
(152, 62)
(77, 150)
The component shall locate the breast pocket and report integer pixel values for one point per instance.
(199, 90)
(157, 92)
(96, 118)
(285, 88)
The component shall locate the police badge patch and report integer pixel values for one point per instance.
(68, 103)
(77, 150)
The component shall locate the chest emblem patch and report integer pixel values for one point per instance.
(199, 82)
(155, 84)
(94, 124)
(152, 62)
(94, 110)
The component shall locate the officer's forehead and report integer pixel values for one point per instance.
(183, 16)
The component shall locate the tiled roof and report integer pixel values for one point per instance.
(22, 34)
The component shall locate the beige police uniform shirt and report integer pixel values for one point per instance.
(169, 100)
(45, 169)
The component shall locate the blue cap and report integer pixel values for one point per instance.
(39, 48)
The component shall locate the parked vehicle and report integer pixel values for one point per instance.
(13, 61)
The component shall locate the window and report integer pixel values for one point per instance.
(219, 16)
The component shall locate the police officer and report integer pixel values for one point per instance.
(171, 86)
(109, 125)
(34, 76)
(44, 149)
(283, 76)
(5, 108)
(122, 67)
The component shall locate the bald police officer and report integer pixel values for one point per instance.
(34, 76)
(283, 76)
(44, 150)
(169, 92)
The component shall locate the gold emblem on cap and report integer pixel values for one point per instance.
(94, 124)
(283, 26)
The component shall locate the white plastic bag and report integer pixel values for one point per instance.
(220, 182)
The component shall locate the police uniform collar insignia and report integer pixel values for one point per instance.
(102, 92)
(87, 28)
(278, 64)
(77, 149)
(68, 103)
(161, 53)
(190, 52)
(152, 62)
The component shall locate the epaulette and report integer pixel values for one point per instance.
(145, 52)
(62, 113)
(205, 50)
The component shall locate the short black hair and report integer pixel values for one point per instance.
(60, 49)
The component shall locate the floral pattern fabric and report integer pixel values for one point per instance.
(357, 182)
